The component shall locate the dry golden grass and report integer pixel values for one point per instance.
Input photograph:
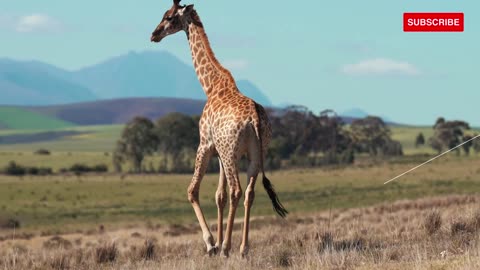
(430, 233)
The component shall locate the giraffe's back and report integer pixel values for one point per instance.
(229, 123)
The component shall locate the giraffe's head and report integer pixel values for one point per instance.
(175, 19)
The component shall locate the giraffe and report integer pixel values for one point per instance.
(231, 126)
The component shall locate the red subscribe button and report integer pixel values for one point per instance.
(433, 22)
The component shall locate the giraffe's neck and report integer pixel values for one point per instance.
(209, 71)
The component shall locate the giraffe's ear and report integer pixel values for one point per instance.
(189, 8)
(185, 9)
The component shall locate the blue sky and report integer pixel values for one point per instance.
(322, 54)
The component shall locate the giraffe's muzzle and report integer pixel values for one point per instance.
(155, 38)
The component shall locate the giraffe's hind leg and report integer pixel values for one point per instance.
(221, 200)
(252, 173)
(231, 173)
(204, 154)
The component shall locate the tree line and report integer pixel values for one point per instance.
(299, 138)
(449, 134)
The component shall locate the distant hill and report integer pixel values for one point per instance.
(119, 111)
(151, 74)
(26, 119)
(146, 74)
(34, 83)
(102, 112)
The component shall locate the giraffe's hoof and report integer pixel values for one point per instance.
(225, 252)
(244, 251)
(218, 247)
(212, 251)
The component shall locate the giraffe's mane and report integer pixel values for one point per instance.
(210, 54)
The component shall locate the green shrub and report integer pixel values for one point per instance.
(39, 171)
(17, 170)
(42, 152)
(79, 168)
(9, 223)
(100, 168)
(14, 169)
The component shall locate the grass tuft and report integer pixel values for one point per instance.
(433, 222)
(57, 242)
(147, 251)
(459, 227)
(283, 257)
(106, 253)
(326, 241)
(60, 261)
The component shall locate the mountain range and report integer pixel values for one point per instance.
(116, 111)
(145, 74)
(36, 95)
(103, 112)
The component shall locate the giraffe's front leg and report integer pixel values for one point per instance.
(204, 154)
(221, 200)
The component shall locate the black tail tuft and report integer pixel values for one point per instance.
(277, 205)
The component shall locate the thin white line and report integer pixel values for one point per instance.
(432, 159)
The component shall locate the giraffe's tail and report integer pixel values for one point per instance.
(277, 205)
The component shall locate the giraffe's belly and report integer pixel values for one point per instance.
(233, 140)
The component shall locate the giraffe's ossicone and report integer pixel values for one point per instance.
(232, 125)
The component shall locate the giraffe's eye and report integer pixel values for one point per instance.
(169, 18)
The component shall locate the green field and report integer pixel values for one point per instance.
(95, 144)
(64, 201)
(68, 202)
(24, 119)
(103, 137)
(406, 136)
(93, 139)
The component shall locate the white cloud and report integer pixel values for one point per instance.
(236, 64)
(381, 66)
(35, 23)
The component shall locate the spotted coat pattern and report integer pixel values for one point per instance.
(231, 125)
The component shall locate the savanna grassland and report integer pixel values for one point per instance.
(59, 202)
(341, 217)
(433, 233)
